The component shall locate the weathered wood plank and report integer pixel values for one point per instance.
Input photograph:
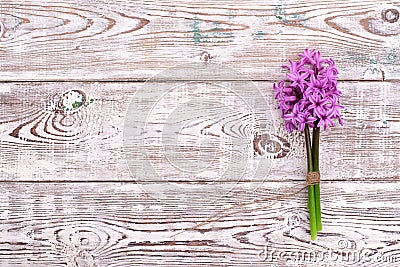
(133, 40)
(117, 224)
(43, 141)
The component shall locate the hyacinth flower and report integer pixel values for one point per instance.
(309, 98)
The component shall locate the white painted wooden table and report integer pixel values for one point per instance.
(68, 197)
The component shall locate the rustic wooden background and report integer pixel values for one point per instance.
(67, 195)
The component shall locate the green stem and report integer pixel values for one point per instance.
(315, 148)
(311, 208)
(318, 206)
(308, 149)
(311, 193)
(315, 157)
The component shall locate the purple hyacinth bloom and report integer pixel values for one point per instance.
(317, 104)
(309, 96)
(298, 79)
(325, 120)
(292, 66)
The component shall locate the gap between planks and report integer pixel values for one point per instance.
(177, 80)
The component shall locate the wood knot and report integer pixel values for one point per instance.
(72, 100)
(390, 15)
(206, 57)
(383, 24)
(84, 259)
(270, 145)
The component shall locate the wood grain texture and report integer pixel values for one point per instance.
(133, 40)
(42, 142)
(117, 224)
(81, 187)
